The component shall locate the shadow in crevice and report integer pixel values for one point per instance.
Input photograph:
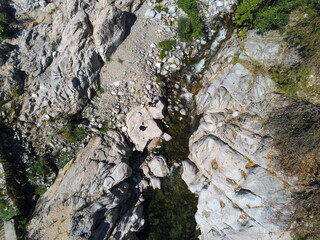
(130, 20)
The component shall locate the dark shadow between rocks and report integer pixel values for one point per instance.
(130, 20)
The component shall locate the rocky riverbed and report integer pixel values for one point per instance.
(202, 110)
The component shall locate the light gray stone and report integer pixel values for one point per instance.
(158, 166)
(150, 13)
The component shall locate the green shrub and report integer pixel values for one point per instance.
(7, 210)
(4, 26)
(40, 190)
(120, 60)
(41, 168)
(264, 15)
(73, 134)
(184, 29)
(166, 46)
(190, 8)
(290, 79)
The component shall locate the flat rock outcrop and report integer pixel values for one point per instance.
(242, 194)
(90, 197)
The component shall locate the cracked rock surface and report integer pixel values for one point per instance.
(242, 195)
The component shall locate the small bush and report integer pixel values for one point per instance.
(73, 134)
(166, 46)
(264, 15)
(184, 29)
(120, 60)
(105, 126)
(190, 8)
(7, 210)
(4, 26)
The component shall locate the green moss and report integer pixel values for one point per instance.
(166, 46)
(161, 9)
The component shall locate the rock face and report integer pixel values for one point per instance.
(61, 54)
(242, 195)
(90, 197)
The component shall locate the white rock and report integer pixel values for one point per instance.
(117, 83)
(166, 137)
(172, 9)
(141, 127)
(150, 13)
(158, 166)
(155, 182)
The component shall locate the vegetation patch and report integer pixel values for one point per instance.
(169, 211)
(264, 15)
(5, 24)
(166, 46)
(73, 134)
(291, 79)
(190, 8)
(297, 140)
(184, 29)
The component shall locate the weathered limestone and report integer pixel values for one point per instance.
(242, 195)
(89, 196)
(59, 58)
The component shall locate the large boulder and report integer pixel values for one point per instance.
(142, 127)
(89, 195)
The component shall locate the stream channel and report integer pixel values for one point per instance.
(170, 211)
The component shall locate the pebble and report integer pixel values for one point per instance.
(183, 112)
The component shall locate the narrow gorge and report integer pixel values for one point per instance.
(159, 120)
